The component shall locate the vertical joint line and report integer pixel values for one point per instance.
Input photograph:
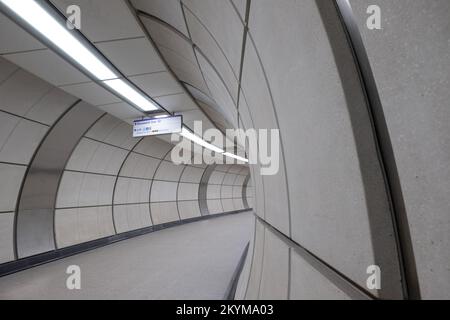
(241, 68)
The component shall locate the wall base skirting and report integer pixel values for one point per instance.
(232, 287)
(43, 258)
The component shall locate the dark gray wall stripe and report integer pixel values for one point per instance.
(244, 45)
(244, 192)
(203, 189)
(36, 205)
(386, 153)
(252, 259)
(232, 287)
(177, 193)
(178, 187)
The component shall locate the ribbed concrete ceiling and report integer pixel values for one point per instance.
(184, 35)
(117, 33)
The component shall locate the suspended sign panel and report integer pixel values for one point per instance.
(157, 126)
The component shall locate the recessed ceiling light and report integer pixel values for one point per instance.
(230, 155)
(66, 41)
(196, 139)
(43, 22)
(131, 94)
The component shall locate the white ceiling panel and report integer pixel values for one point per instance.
(104, 20)
(189, 117)
(219, 92)
(166, 10)
(185, 70)
(14, 39)
(225, 26)
(132, 56)
(122, 110)
(49, 66)
(157, 84)
(211, 50)
(168, 38)
(6, 69)
(92, 93)
(177, 102)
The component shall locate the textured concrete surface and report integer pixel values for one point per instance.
(193, 261)
(137, 187)
(298, 76)
(410, 58)
(329, 194)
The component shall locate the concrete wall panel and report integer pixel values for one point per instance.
(308, 284)
(6, 237)
(167, 171)
(275, 268)
(228, 205)
(153, 147)
(167, 10)
(192, 174)
(188, 209)
(90, 178)
(252, 290)
(163, 191)
(215, 206)
(139, 166)
(164, 212)
(335, 184)
(8, 191)
(132, 191)
(187, 191)
(131, 217)
(413, 81)
(80, 225)
(21, 91)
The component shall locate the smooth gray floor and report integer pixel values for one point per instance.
(193, 261)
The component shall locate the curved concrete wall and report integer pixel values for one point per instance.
(363, 176)
(29, 107)
(329, 194)
(333, 208)
(413, 81)
(338, 205)
(71, 173)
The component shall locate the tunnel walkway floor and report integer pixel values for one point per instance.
(191, 261)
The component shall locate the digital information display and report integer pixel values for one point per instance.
(157, 126)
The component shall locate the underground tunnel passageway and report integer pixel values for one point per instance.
(163, 137)
(192, 261)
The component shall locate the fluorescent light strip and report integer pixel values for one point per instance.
(194, 138)
(50, 28)
(37, 17)
(161, 116)
(57, 33)
(230, 155)
(129, 93)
